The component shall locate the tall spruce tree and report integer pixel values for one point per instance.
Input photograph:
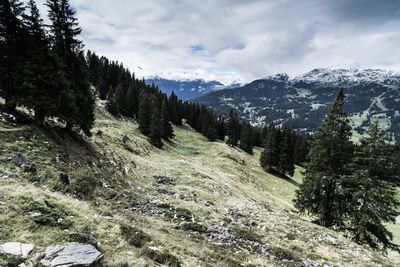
(330, 152)
(12, 51)
(370, 193)
(76, 101)
(42, 75)
(246, 138)
(286, 153)
(156, 127)
(144, 114)
(233, 128)
(167, 131)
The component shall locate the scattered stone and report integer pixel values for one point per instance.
(19, 160)
(162, 179)
(310, 263)
(1, 196)
(16, 249)
(31, 168)
(72, 254)
(64, 178)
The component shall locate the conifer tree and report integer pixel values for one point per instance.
(233, 129)
(12, 51)
(111, 104)
(155, 129)
(144, 115)
(369, 193)
(120, 99)
(131, 101)
(286, 153)
(330, 152)
(76, 101)
(167, 131)
(246, 138)
(42, 73)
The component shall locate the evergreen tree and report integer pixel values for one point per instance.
(131, 101)
(111, 104)
(144, 115)
(42, 73)
(120, 99)
(233, 129)
(286, 153)
(246, 138)
(167, 131)
(330, 152)
(155, 129)
(12, 51)
(76, 101)
(369, 193)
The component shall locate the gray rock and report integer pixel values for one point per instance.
(1, 196)
(162, 179)
(19, 160)
(309, 263)
(72, 254)
(17, 249)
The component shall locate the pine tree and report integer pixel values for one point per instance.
(42, 75)
(66, 45)
(111, 104)
(156, 129)
(120, 99)
(12, 51)
(369, 193)
(233, 129)
(286, 154)
(330, 152)
(144, 115)
(167, 131)
(131, 101)
(246, 138)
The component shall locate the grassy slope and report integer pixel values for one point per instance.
(220, 187)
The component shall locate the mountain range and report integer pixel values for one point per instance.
(188, 89)
(302, 102)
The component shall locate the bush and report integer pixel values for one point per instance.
(195, 227)
(161, 257)
(48, 213)
(84, 186)
(134, 236)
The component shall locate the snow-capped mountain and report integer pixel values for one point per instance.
(188, 89)
(302, 101)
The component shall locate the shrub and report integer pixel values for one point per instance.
(161, 257)
(195, 227)
(134, 236)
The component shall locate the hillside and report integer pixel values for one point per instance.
(203, 202)
(302, 102)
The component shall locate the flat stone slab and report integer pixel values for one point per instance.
(16, 249)
(71, 254)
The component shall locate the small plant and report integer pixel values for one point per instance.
(161, 257)
(134, 236)
(195, 227)
(246, 234)
(47, 213)
(84, 186)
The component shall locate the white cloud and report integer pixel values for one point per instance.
(240, 40)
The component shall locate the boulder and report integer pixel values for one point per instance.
(309, 263)
(16, 249)
(72, 254)
(162, 179)
(19, 160)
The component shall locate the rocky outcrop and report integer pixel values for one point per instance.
(16, 249)
(72, 254)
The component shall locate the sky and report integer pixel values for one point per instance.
(240, 40)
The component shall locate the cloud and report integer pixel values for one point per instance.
(230, 40)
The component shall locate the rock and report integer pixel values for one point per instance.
(309, 263)
(1, 196)
(64, 178)
(31, 168)
(19, 160)
(72, 254)
(16, 249)
(162, 179)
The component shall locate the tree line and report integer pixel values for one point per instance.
(43, 67)
(351, 186)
